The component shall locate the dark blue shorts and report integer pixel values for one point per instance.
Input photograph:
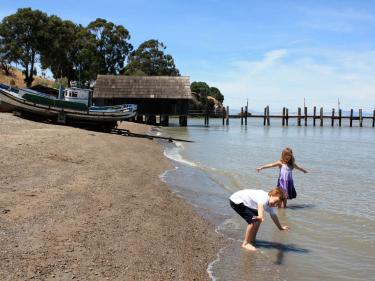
(245, 212)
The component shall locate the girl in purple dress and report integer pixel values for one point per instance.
(285, 181)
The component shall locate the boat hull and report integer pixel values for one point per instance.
(9, 101)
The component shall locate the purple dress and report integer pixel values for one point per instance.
(285, 181)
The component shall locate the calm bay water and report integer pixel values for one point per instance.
(332, 220)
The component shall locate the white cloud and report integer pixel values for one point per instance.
(279, 80)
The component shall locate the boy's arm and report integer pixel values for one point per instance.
(271, 165)
(299, 168)
(277, 222)
(260, 216)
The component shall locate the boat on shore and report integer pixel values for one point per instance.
(71, 106)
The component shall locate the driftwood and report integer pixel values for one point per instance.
(125, 132)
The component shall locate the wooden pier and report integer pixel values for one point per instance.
(316, 118)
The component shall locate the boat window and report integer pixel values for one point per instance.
(74, 94)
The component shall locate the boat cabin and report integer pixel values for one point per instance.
(78, 95)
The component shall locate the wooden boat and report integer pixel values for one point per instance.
(72, 105)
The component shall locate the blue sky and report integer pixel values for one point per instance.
(275, 53)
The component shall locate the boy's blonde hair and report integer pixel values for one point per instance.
(278, 192)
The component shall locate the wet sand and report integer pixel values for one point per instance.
(84, 205)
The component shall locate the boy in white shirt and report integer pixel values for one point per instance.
(250, 204)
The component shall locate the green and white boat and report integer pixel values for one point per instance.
(72, 105)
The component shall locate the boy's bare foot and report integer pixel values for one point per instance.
(249, 247)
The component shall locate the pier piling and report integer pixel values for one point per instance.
(246, 112)
(314, 117)
(241, 116)
(227, 121)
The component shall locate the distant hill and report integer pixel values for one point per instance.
(16, 79)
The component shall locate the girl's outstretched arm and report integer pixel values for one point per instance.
(299, 168)
(271, 165)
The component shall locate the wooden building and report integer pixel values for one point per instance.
(162, 96)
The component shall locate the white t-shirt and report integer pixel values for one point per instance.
(251, 198)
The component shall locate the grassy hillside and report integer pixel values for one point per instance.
(16, 78)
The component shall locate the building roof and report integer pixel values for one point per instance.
(154, 87)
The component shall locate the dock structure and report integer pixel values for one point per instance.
(285, 116)
(157, 97)
(266, 116)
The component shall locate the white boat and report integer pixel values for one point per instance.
(72, 106)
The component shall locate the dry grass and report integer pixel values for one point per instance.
(16, 78)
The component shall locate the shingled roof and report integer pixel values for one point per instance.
(158, 87)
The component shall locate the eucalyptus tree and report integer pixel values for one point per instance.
(149, 58)
(85, 57)
(57, 54)
(24, 35)
(112, 45)
(5, 58)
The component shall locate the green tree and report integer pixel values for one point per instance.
(24, 35)
(215, 93)
(150, 59)
(85, 57)
(5, 61)
(200, 88)
(202, 91)
(112, 45)
(57, 54)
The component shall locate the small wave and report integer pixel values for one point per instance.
(163, 176)
(174, 154)
(210, 270)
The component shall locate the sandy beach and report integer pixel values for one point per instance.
(84, 205)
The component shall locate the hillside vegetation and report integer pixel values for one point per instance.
(17, 79)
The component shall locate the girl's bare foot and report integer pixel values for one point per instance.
(249, 247)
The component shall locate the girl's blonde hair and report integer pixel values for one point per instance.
(288, 152)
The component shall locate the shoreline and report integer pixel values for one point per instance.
(85, 205)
